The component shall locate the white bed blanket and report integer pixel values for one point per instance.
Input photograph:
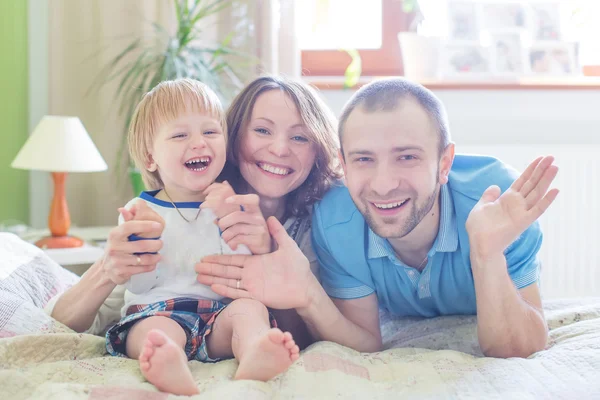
(426, 359)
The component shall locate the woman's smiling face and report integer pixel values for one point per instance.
(276, 150)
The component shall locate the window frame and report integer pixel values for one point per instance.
(386, 61)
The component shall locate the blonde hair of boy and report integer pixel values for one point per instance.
(164, 103)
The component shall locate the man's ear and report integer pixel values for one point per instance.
(342, 161)
(446, 163)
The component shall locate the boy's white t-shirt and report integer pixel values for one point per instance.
(109, 313)
(184, 244)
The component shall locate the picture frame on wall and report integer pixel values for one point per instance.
(503, 15)
(468, 61)
(464, 22)
(546, 21)
(508, 54)
(552, 59)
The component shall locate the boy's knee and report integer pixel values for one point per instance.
(248, 305)
(167, 325)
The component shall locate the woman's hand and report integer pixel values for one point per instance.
(281, 279)
(124, 258)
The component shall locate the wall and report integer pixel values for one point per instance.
(14, 202)
(513, 116)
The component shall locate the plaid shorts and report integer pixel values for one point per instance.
(196, 317)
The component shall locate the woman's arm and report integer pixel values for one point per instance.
(79, 306)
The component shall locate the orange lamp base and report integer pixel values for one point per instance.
(59, 242)
(59, 220)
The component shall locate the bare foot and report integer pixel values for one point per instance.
(270, 355)
(164, 364)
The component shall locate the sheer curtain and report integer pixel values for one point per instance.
(84, 35)
(278, 45)
(266, 29)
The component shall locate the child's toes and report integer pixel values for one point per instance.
(144, 366)
(146, 353)
(289, 344)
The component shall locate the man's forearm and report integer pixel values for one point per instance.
(78, 306)
(507, 325)
(325, 322)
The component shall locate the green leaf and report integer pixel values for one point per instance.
(409, 6)
(210, 9)
(192, 11)
(132, 76)
(116, 60)
(160, 29)
(354, 69)
(178, 12)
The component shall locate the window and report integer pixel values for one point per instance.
(369, 26)
(328, 27)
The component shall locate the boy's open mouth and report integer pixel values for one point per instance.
(198, 164)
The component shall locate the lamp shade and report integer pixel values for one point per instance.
(60, 144)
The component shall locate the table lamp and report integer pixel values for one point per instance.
(59, 145)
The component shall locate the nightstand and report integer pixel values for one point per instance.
(76, 259)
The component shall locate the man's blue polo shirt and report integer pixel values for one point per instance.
(355, 262)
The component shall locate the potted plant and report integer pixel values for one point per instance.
(412, 9)
(145, 62)
(419, 52)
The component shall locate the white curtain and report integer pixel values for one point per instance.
(84, 35)
(266, 29)
(278, 45)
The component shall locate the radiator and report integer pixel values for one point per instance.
(570, 252)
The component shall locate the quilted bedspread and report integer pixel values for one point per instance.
(425, 358)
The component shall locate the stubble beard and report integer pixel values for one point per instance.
(384, 227)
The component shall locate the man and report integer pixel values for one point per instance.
(416, 230)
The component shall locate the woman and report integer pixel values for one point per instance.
(283, 148)
(282, 157)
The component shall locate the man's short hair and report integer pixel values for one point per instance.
(387, 94)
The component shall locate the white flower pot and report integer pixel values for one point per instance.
(420, 55)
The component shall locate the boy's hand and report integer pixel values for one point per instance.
(239, 218)
(215, 199)
(140, 211)
(246, 227)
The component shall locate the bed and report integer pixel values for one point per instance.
(424, 358)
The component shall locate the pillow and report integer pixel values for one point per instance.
(28, 279)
